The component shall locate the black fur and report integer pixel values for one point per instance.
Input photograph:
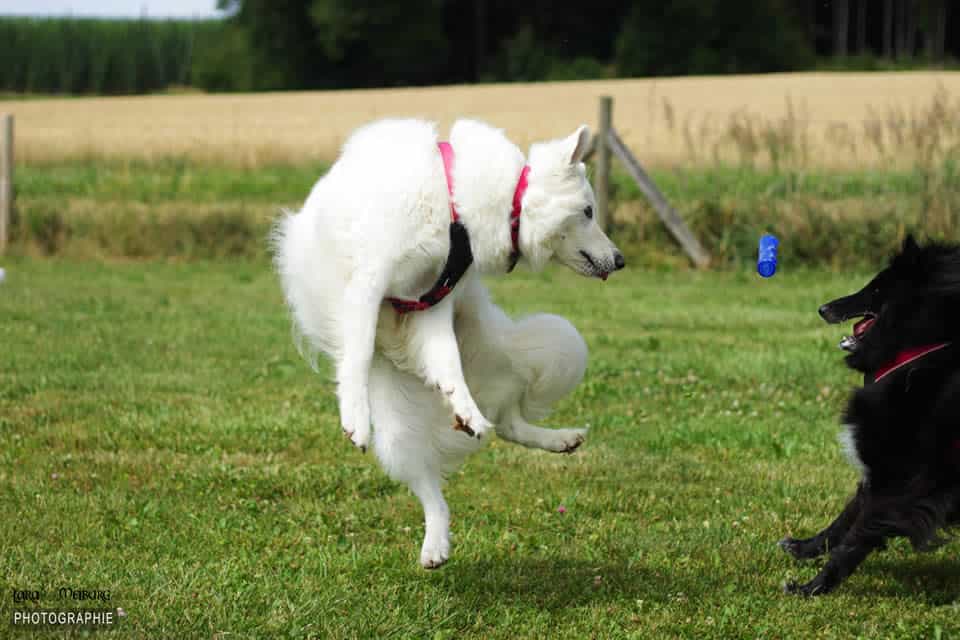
(906, 426)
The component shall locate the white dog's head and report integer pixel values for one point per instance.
(558, 210)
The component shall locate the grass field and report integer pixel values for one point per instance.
(816, 119)
(160, 438)
(182, 209)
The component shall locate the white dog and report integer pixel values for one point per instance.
(377, 227)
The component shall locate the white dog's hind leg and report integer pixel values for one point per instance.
(552, 357)
(361, 308)
(516, 429)
(416, 447)
(435, 346)
(436, 543)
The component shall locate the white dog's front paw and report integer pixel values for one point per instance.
(434, 553)
(474, 425)
(566, 440)
(355, 419)
(466, 414)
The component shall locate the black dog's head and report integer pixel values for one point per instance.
(914, 302)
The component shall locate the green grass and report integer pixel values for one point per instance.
(166, 180)
(175, 179)
(684, 185)
(176, 208)
(160, 438)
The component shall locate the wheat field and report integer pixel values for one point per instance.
(820, 119)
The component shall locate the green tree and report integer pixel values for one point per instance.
(284, 52)
(338, 43)
(381, 42)
(221, 59)
(710, 36)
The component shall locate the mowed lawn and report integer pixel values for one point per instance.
(161, 438)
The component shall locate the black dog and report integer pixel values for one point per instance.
(904, 424)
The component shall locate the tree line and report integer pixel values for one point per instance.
(325, 44)
(78, 56)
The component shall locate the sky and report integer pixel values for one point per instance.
(111, 8)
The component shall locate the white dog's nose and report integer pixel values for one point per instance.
(618, 260)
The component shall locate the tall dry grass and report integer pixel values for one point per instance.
(924, 139)
(926, 133)
(816, 119)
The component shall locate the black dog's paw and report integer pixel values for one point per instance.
(801, 549)
(816, 587)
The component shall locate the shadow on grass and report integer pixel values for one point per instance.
(936, 580)
(555, 584)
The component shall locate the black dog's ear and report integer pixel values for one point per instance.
(910, 245)
(909, 254)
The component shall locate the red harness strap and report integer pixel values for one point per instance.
(905, 357)
(461, 257)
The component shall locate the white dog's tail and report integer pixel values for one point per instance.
(309, 280)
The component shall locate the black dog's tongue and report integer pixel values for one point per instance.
(861, 327)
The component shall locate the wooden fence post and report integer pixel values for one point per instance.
(6, 177)
(673, 222)
(602, 149)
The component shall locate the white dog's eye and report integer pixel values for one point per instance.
(588, 212)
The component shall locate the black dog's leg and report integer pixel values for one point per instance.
(866, 535)
(808, 548)
(844, 560)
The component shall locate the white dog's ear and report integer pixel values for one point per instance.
(577, 144)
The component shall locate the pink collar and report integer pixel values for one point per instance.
(515, 215)
(446, 152)
(905, 357)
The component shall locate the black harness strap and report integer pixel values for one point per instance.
(458, 261)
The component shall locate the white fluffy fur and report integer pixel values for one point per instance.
(375, 226)
(849, 446)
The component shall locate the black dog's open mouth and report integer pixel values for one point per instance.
(860, 329)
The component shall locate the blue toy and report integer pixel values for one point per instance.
(767, 256)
